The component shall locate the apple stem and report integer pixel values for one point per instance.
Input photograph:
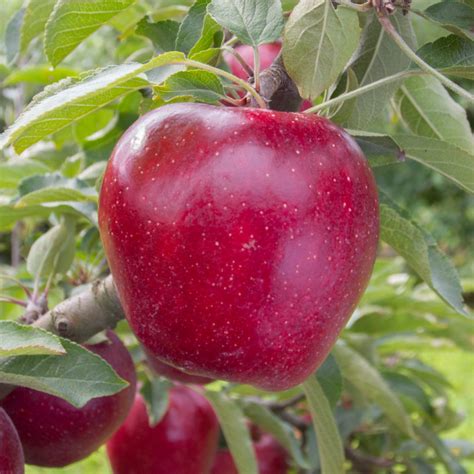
(393, 33)
(219, 72)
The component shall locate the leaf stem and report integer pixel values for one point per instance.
(393, 33)
(244, 84)
(362, 90)
(256, 68)
(240, 59)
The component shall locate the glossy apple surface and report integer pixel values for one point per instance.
(183, 442)
(53, 432)
(11, 453)
(268, 53)
(172, 373)
(270, 455)
(240, 240)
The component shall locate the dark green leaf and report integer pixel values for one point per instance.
(191, 27)
(330, 378)
(77, 376)
(379, 149)
(155, 393)
(19, 339)
(318, 42)
(456, 17)
(162, 34)
(254, 22)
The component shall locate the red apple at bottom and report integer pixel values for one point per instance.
(183, 442)
(268, 53)
(160, 368)
(240, 240)
(11, 453)
(53, 432)
(271, 458)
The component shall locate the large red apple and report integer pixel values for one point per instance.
(271, 457)
(11, 452)
(183, 442)
(53, 432)
(240, 240)
(172, 373)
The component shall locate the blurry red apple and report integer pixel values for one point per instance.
(160, 368)
(53, 432)
(183, 442)
(240, 240)
(11, 452)
(268, 53)
(271, 458)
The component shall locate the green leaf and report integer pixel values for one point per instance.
(318, 42)
(443, 453)
(54, 251)
(420, 251)
(445, 158)
(36, 15)
(378, 57)
(211, 36)
(155, 393)
(12, 35)
(429, 111)
(162, 34)
(20, 339)
(342, 112)
(379, 149)
(451, 55)
(270, 423)
(330, 378)
(235, 430)
(77, 376)
(72, 21)
(454, 16)
(202, 86)
(55, 195)
(331, 451)
(254, 22)
(38, 75)
(13, 171)
(360, 373)
(191, 27)
(69, 100)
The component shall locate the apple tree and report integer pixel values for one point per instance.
(218, 220)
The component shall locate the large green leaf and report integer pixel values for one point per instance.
(421, 252)
(318, 42)
(69, 100)
(191, 27)
(72, 21)
(445, 158)
(254, 22)
(331, 452)
(451, 55)
(428, 110)
(456, 17)
(360, 373)
(20, 339)
(77, 376)
(235, 430)
(36, 15)
(378, 57)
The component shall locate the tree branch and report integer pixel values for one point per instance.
(82, 316)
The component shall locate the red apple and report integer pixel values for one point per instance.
(53, 432)
(271, 458)
(240, 240)
(268, 53)
(11, 452)
(183, 442)
(172, 373)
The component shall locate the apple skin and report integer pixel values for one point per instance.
(271, 458)
(183, 442)
(160, 368)
(53, 432)
(268, 53)
(240, 240)
(11, 453)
